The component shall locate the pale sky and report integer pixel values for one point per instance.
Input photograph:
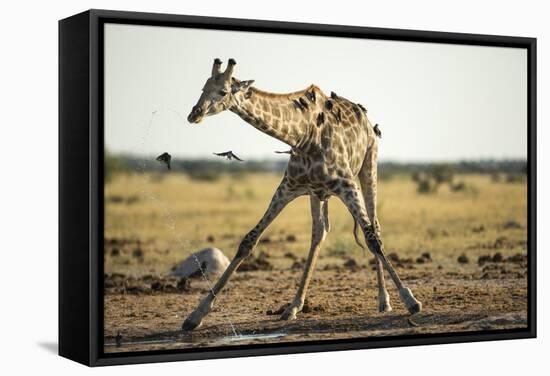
(434, 102)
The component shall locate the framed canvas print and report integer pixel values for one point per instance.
(240, 187)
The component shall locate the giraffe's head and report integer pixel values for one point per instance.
(219, 92)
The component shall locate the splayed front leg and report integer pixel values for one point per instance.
(320, 225)
(194, 320)
(383, 296)
(281, 198)
(291, 311)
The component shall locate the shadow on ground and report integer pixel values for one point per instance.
(51, 347)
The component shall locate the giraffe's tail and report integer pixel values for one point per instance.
(355, 235)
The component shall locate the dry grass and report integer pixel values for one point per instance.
(173, 216)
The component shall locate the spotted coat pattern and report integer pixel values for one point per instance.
(334, 153)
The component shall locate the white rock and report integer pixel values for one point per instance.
(212, 261)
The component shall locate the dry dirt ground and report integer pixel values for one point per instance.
(464, 256)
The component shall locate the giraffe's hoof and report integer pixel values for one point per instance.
(289, 313)
(193, 321)
(384, 307)
(414, 308)
(384, 302)
(189, 325)
(413, 305)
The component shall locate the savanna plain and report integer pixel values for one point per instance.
(462, 249)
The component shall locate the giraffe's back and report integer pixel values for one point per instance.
(338, 136)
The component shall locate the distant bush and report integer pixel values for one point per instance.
(204, 175)
(458, 187)
(249, 193)
(385, 176)
(426, 185)
(117, 199)
(443, 173)
(516, 178)
(429, 182)
(112, 165)
(496, 177)
(230, 191)
(156, 177)
(341, 247)
(235, 194)
(238, 175)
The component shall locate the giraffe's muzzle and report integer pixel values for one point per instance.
(196, 114)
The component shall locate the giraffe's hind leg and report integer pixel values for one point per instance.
(281, 198)
(368, 180)
(350, 194)
(320, 227)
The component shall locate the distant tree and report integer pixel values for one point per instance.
(426, 185)
(416, 176)
(443, 173)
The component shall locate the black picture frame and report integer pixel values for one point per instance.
(81, 184)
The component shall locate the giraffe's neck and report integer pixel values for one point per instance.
(275, 115)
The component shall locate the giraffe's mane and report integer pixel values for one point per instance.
(294, 94)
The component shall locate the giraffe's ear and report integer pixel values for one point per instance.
(241, 85)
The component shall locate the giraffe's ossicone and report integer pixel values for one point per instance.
(334, 153)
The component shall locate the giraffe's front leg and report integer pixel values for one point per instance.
(383, 296)
(194, 320)
(319, 215)
(281, 198)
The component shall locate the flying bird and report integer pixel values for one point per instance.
(377, 131)
(165, 158)
(229, 155)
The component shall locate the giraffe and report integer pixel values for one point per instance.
(333, 153)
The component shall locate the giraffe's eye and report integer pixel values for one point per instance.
(222, 92)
